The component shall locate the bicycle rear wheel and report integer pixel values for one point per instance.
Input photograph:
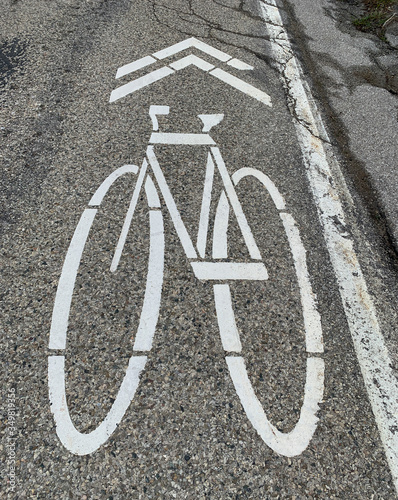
(297, 440)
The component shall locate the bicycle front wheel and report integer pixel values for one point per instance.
(77, 442)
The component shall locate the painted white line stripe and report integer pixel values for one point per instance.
(63, 298)
(296, 441)
(151, 193)
(239, 84)
(138, 84)
(205, 209)
(135, 66)
(128, 218)
(77, 442)
(226, 319)
(277, 198)
(210, 121)
(98, 196)
(220, 232)
(236, 206)
(171, 206)
(236, 63)
(372, 354)
(191, 60)
(169, 138)
(312, 319)
(157, 110)
(188, 43)
(153, 291)
(253, 271)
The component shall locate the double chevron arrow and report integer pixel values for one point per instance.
(184, 62)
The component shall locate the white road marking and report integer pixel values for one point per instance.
(77, 442)
(273, 191)
(205, 209)
(312, 319)
(128, 218)
(140, 83)
(236, 63)
(236, 206)
(189, 43)
(169, 138)
(219, 271)
(210, 121)
(98, 196)
(135, 66)
(296, 441)
(151, 193)
(220, 243)
(184, 62)
(226, 319)
(191, 60)
(239, 84)
(171, 206)
(157, 110)
(372, 354)
(153, 291)
(66, 284)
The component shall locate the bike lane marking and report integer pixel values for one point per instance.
(315, 368)
(370, 348)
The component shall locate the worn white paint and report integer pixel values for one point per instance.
(128, 218)
(191, 60)
(312, 319)
(273, 191)
(184, 62)
(98, 196)
(192, 43)
(151, 193)
(230, 271)
(153, 290)
(296, 441)
(66, 284)
(235, 203)
(135, 66)
(374, 360)
(171, 205)
(210, 121)
(81, 443)
(140, 83)
(221, 221)
(170, 138)
(226, 319)
(239, 84)
(236, 63)
(205, 209)
(157, 110)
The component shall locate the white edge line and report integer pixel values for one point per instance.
(373, 357)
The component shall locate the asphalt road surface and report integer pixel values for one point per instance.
(194, 303)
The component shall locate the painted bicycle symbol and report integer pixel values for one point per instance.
(150, 177)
